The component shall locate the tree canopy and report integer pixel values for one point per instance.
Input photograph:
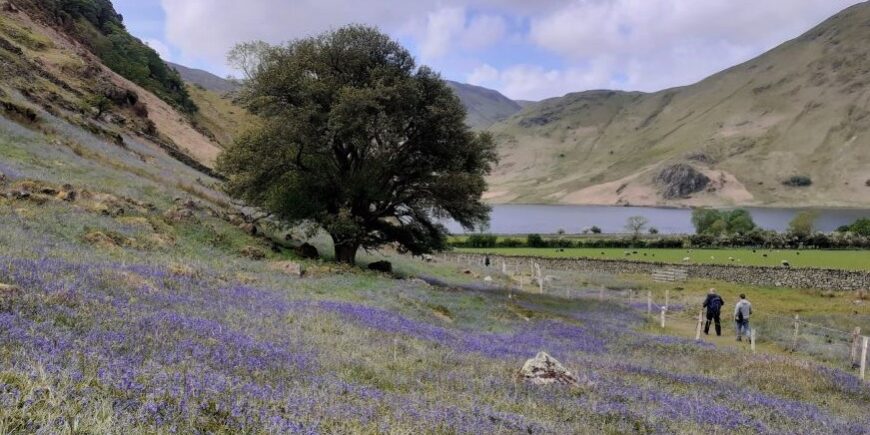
(360, 141)
(720, 222)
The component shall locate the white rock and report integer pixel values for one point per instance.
(545, 370)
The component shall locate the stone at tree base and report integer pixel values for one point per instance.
(381, 266)
(545, 370)
(308, 252)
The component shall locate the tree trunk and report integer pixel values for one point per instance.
(346, 252)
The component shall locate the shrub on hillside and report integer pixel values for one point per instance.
(798, 181)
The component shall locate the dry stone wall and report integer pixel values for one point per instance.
(826, 279)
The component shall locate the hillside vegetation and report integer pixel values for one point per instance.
(97, 25)
(800, 111)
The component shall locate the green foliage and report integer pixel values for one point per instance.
(721, 222)
(860, 227)
(535, 241)
(96, 24)
(482, 241)
(595, 230)
(360, 141)
(803, 224)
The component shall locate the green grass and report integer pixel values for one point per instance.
(819, 259)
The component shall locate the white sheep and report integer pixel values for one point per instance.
(686, 260)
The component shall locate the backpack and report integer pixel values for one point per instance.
(740, 314)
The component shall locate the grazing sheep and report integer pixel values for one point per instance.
(786, 263)
(765, 255)
(712, 257)
(687, 259)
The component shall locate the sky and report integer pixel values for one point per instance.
(526, 49)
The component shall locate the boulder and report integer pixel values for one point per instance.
(381, 266)
(307, 252)
(289, 268)
(249, 229)
(545, 370)
(681, 181)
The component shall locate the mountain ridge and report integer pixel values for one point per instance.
(800, 109)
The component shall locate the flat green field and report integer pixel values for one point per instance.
(849, 260)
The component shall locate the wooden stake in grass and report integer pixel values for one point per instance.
(649, 303)
(856, 348)
(797, 326)
(752, 339)
(664, 309)
(700, 325)
(864, 359)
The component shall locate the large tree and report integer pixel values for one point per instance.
(358, 140)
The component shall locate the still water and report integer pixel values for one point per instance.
(549, 219)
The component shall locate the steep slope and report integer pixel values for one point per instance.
(45, 65)
(204, 79)
(485, 106)
(802, 109)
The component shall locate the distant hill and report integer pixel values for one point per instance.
(485, 106)
(204, 79)
(736, 138)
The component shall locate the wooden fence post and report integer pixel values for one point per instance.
(752, 339)
(864, 359)
(700, 325)
(797, 326)
(664, 309)
(541, 284)
(649, 302)
(856, 349)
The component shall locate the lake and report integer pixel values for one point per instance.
(549, 219)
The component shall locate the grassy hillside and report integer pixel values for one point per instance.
(41, 64)
(97, 25)
(801, 109)
(218, 117)
(485, 106)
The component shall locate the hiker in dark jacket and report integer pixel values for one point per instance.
(713, 304)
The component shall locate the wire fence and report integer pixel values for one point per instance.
(677, 308)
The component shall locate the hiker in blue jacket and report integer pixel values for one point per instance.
(713, 304)
(742, 312)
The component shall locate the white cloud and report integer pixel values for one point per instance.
(540, 48)
(533, 82)
(160, 47)
(442, 28)
(673, 42)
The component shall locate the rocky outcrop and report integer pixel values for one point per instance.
(681, 181)
(545, 370)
